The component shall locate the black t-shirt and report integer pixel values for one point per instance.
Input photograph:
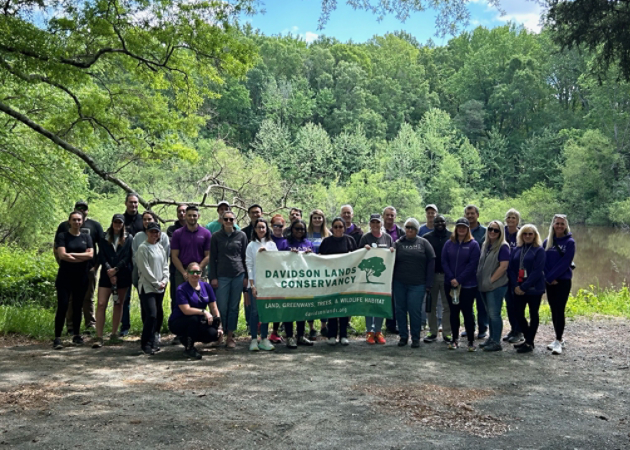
(91, 228)
(173, 228)
(73, 244)
(133, 224)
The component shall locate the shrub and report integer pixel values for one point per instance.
(27, 277)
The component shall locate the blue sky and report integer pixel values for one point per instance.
(300, 17)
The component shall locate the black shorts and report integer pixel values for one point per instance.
(124, 279)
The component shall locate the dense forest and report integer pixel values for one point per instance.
(499, 117)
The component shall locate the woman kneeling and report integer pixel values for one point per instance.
(191, 321)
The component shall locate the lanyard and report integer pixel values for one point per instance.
(523, 253)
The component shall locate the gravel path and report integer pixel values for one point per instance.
(351, 397)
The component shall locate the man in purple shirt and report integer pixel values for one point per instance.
(190, 244)
(389, 223)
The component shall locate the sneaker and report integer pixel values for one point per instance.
(556, 348)
(148, 349)
(253, 345)
(275, 338)
(114, 339)
(123, 333)
(230, 343)
(440, 329)
(192, 353)
(312, 334)
(493, 347)
(472, 347)
(331, 341)
(156, 342)
(463, 334)
(281, 328)
(430, 338)
(324, 331)
(344, 341)
(291, 342)
(507, 337)
(304, 341)
(453, 345)
(485, 343)
(415, 343)
(380, 339)
(78, 340)
(522, 344)
(57, 345)
(176, 341)
(370, 339)
(483, 335)
(98, 343)
(402, 342)
(525, 348)
(516, 337)
(448, 338)
(266, 345)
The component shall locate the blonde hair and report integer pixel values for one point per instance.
(513, 212)
(528, 228)
(324, 231)
(551, 236)
(501, 239)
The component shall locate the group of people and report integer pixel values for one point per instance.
(439, 275)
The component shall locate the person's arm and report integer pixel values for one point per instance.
(145, 271)
(97, 245)
(244, 257)
(503, 265)
(430, 274)
(537, 272)
(166, 273)
(471, 266)
(513, 269)
(446, 264)
(166, 244)
(352, 244)
(250, 255)
(563, 264)
(126, 255)
(80, 257)
(205, 260)
(177, 263)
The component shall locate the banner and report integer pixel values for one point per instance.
(305, 286)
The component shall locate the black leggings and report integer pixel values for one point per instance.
(66, 288)
(530, 329)
(152, 316)
(340, 323)
(288, 328)
(558, 296)
(465, 306)
(194, 327)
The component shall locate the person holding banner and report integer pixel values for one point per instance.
(413, 276)
(297, 242)
(376, 238)
(277, 226)
(460, 258)
(316, 232)
(338, 243)
(260, 242)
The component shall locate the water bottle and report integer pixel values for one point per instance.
(455, 296)
(115, 293)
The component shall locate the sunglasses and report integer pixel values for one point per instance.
(527, 234)
(493, 230)
(277, 225)
(261, 228)
(338, 227)
(228, 219)
(408, 227)
(194, 272)
(299, 230)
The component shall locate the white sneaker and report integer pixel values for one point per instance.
(253, 346)
(266, 345)
(344, 341)
(550, 346)
(292, 342)
(557, 348)
(331, 341)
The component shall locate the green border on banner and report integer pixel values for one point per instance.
(290, 309)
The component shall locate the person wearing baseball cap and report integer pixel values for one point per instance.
(431, 211)
(216, 225)
(93, 229)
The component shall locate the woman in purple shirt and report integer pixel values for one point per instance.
(512, 220)
(190, 319)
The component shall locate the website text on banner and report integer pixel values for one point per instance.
(304, 286)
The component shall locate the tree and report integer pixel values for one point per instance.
(372, 267)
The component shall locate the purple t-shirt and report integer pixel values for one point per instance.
(281, 243)
(504, 253)
(511, 238)
(187, 295)
(301, 246)
(191, 244)
(393, 233)
(350, 229)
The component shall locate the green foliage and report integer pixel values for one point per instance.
(27, 277)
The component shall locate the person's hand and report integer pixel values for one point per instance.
(162, 285)
(262, 249)
(185, 274)
(113, 280)
(214, 283)
(308, 250)
(247, 300)
(367, 247)
(392, 249)
(454, 283)
(209, 317)
(254, 291)
(245, 281)
(554, 282)
(220, 333)
(111, 272)
(519, 291)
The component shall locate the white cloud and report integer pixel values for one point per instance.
(309, 36)
(526, 12)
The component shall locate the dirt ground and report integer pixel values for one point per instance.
(360, 396)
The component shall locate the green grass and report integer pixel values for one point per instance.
(37, 322)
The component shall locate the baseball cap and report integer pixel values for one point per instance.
(118, 217)
(154, 226)
(431, 206)
(463, 221)
(376, 217)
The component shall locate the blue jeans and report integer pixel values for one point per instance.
(512, 310)
(253, 319)
(482, 315)
(409, 300)
(373, 324)
(125, 322)
(228, 300)
(493, 301)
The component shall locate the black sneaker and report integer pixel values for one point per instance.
(483, 335)
(312, 334)
(303, 341)
(492, 347)
(78, 340)
(123, 333)
(148, 350)
(57, 345)
(402, 342)
(156, 342)
(415, 343)
(525, 348)
(430, 338)
(485, 343)
(522, 344)
(324, 331)
(508, 336)
(192, 353)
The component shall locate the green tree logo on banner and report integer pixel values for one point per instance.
(372, 267)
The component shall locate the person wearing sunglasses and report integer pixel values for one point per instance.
(338, 243)
(75, 251)
(297, 242)
(151, 261)
(190, 319)
(527, 282)
(493, 281)
(261, 241)
(512, 221)
(414, 271)
(559, 253)
(316, 232)
(460, 258)
(115, 279)
(93, 229)
(228, 271)
(277, 227)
